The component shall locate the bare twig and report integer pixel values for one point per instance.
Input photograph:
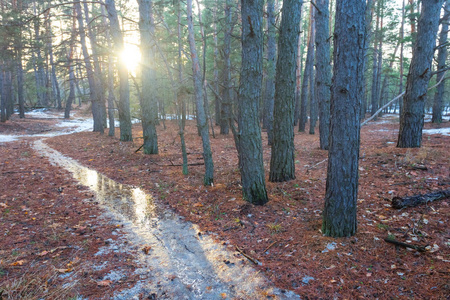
(248, 256)
(270, 246)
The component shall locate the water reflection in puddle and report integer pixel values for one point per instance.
(196, 261)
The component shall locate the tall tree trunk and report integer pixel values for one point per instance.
(375, 91)
(282, 166)
(53, 80)
(323, 71)
(2, 96)
(368, 32)
(226, 105)
(384, 85)
(442, 57)
(269, 93)
(40, 75)
(402, 42)
(216, 71)
(124, 88)
(309, 68)
(93, 88)
(181, 102)
(313, 106)
(380, 57)
(98, 74)
(249, 134)
(412, 117)
(298, 73)
(201, 115)
(110, 83)
(339, 215)
(149, 105)
(70, 67)
(20, 83)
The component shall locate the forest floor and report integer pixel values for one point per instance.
(49, 219)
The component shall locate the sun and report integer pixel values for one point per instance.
(131, 57)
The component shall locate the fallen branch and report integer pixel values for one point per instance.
(270, 246)
(395, 99)
(415, 247)
(320, 162)
(412, 201)
(256, 262)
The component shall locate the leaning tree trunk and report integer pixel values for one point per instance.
(323, 71)
(282, 166)
(124, 88)
(201, 114)
(412, 117)
(339, 215)
(93, 88)
(271, 68)
(442, 57)
(249, 135)
(149, 105)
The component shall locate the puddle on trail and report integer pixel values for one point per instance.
(182, 263)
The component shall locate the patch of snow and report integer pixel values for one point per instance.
(307, 279)
(331, 246)
(442, 131)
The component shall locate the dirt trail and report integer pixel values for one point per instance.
(182, 263)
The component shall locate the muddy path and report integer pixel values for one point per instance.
(180, 262)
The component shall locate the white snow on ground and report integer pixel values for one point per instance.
(68, 126)
(442, 131)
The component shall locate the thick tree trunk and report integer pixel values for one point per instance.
(442, 57)
(339, 215)
(269, 93)
(124, 88)
(282, 166)
(201, 114)
(323, 71)
(94, 93)
(249, 133)
(412, 117)
(149, 106)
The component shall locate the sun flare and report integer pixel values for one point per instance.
(131, 57)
